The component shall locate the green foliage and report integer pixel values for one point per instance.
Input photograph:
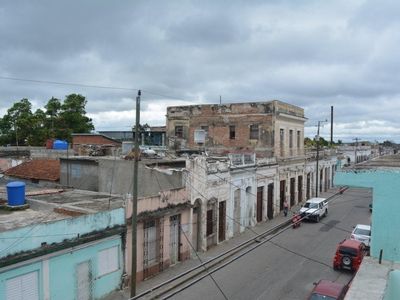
(59, 120)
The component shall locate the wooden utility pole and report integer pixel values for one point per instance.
(317, 172)
(134, 199)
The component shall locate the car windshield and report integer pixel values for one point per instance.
(316, 296)
(362, 231)
(310, 205)
(348, 251)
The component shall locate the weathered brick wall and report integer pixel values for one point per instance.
(93, 140)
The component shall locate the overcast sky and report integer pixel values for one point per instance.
(313, 54)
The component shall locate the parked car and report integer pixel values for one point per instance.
(349, 255)
(362, 233)
(328, 290)
(314, 209)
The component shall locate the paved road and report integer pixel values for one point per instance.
(286, 268)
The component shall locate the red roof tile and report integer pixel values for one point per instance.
(41, 169)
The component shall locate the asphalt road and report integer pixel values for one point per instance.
(287, 267)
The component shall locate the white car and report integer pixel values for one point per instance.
(315, 209)
(362, 233)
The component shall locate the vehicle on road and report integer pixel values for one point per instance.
(314, 209)
(362, 233)
(328, 290)
(349, 255)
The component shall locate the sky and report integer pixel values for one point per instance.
(313, 54)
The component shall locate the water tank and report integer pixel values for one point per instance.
(60, 145)
(16, 193)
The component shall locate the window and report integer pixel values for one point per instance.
(151, 242)
(24, 287)
(281, 137)
(290, 138)
(232, 133)
(298, 138)
(205, 128)
(179, 131)
(210, 222)
(254, 132)
(108, 260)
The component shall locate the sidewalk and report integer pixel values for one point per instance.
(214, 251)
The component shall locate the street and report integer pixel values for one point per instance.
(287, 266)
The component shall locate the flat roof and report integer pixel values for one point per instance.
(48, 205)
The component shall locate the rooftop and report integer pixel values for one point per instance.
(39, 169)
(47, 205)
(371, 280)
(381, 162)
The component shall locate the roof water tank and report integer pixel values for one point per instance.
(60, 145)
(16, 193)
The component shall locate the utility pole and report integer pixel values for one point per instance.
(355, 150)
(331, 126)
(317, 169)
(134, 199)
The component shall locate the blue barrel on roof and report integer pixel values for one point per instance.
(60, 145)
(16, 193)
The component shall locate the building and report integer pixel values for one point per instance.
(270, 129)
(68, 245)
(115, 175)
(43, 171)
(383, 267)
(149, 136)
(163, 228)
(254, 161)
(94, 144)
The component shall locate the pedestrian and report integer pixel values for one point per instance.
(285, 208)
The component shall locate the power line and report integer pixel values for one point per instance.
(89, 86)
(68, 83)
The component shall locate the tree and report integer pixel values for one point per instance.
(40, 133)
(73, 117)
(53, 108)
(16, 125)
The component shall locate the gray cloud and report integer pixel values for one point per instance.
(310, 53)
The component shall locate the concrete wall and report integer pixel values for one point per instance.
(163, 207)
(116, 177)
(56, 231)
(385, 214)
(57, 272)
(80, 174)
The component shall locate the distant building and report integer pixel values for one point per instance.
(270, 129)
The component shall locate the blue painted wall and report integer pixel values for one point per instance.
(386, 208)
(393, 288)
(20, 271)
(31, 237)
(62, 272)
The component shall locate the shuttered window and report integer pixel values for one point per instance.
(108, 260)
(24, 287)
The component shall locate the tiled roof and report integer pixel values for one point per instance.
(40, 169)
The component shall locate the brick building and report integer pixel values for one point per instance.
(269, 129)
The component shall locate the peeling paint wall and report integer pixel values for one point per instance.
(217, 119)
(31, 237)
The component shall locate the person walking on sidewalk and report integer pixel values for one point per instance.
(285, 208)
